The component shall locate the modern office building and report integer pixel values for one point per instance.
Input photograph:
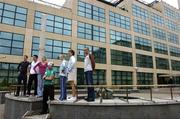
(133, 42)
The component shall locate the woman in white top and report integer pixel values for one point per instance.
(71, 70)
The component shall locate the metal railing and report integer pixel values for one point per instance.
(127, 87)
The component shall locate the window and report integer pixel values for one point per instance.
(13, 15)
(156, 19)
(143, 44)
(174, 51)
(91, 32)
(35, 46)
(158, 33)
(144, 61)
(171, 25)
(91, 11)
(162, 63)
(11, 43)
(144, 78)
(140, 12)
(53, 48)
(119, 20)
(169, 13)
(175, 65)
(120, 38)
(99, 77)
(160, 48)
(98, 52)
(121, 78)
(173, 38)
(8, 74)
(121, 58)
(54, 24)
(141, 27)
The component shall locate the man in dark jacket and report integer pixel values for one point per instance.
(22, 70)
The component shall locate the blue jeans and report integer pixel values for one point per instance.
(63, 93)
(40, 87)
(89, 81)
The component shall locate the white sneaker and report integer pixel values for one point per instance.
(73, 99)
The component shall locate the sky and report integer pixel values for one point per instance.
(171, 2)
(61, 2)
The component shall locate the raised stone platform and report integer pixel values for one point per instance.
(16, 107)
(116, 109)
(139, 106)
(2, 96)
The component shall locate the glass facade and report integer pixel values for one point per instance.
(11, 43)
(174, 51)
(121, 58)
(53, 48)
(91, 32)
(119, 20)
(175, 65)
(171, 25)
(54, 24)
(141, 27)
(13, 15)
(143, 43)
(144, 61)
(169, 13)
(156, 19)
(91, 11)
(172, 38)
(120, 38)
(99, 77)
(158, 33)
(140, 12)
(8, 73)
(98, 52)
(160, 48)
(144, 78)
(121, 78)
(162, 63)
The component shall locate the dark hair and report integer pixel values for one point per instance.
(26, 56)
(72, 51)
(35, 56)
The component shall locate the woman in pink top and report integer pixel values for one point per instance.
(42, 68)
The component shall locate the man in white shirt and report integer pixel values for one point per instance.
(33, 76)
(88, 70)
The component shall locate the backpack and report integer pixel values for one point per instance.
(91, 57)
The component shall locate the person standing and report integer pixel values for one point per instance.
(63, 78)
(89, 66)
(22, 70)
(48, 92)
(71, 70)
(33, 76)
(42, 68)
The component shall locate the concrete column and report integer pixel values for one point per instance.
(42, 37)
(108, 51)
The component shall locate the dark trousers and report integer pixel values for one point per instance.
(32, 77)
(48, 93)
(22, 77)
(63, 93)
(89, 81)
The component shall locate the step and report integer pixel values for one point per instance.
(43, 116)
